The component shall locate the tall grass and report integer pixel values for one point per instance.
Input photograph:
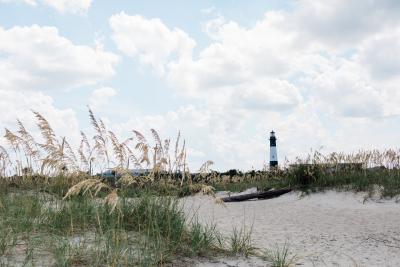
(361, 171)
(54, 156)
(49, 196)
(145, 231)
(53, 165)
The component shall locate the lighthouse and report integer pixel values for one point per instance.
(273, 156)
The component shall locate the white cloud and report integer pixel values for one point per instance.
(381, 54)
(72, 6)
(20, 104)
(62, 6)
(342, 23)
(39, 58)
(346, 90)
(35, 59)
(232, 138)
(150, 40)
(239, 60)
(28, 2)
(321, 75)
(267, 94)
(100, 97)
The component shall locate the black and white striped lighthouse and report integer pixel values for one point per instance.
(273, 156)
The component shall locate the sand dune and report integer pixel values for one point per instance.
(323, 229)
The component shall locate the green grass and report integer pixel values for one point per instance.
(144, 231)
(280, 256)
(203, 239)
(148, 227)
(241, 242)
(314, 178)
(350, 180)
(309, 178)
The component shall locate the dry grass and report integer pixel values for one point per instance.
(51, 164)
(93, 186)
(112, 200)
(53, 156)
(30, 161)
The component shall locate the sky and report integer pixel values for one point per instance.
(323, 75)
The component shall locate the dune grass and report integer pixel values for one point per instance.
(241, 242)
(145, 231)
(54, 209)
(280, 256)
(53, 165)
(375, 172)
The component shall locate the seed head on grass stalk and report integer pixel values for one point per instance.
(15, 142)
(51, 145)
(127, 180)
(120, 149)
(131, 157)
(46, 131)
(86, 185)
(69, 156)
(157, 139)
(5, 161)
(101, 137)
(85, 152)
(12, 139)
(167, 143)
(143, 146)
(205, 168)
(29, 147)
(28, 142)
(112, 200)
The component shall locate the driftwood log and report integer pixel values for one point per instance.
(259, 195)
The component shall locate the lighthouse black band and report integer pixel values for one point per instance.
(273, 163)
(272, 141)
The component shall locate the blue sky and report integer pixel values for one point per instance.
(224, 73)
(136, 85)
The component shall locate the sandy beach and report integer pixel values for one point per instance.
(322, 229)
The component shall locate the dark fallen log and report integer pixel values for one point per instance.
(259, 195)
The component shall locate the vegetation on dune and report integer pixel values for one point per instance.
(371, 171)
(49, 199)
(52, 204)
(53, 165)
(144, 231)
(375, 172)
(54, 155)
(280, 256)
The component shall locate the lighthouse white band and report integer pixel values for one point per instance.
(273, 156)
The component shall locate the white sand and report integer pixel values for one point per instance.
(323, 229)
